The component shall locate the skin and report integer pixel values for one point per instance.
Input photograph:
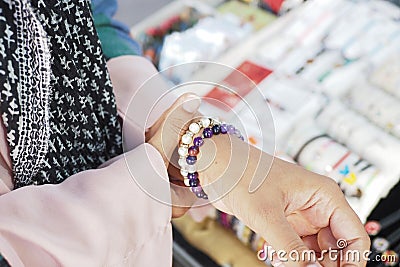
(293, 209)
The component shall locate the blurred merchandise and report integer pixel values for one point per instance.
(209, 38)
(152, 39)
(257, 17)
(333, 70)
(328, 72)
(222, 25)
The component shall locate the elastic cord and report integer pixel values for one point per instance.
(296, 157)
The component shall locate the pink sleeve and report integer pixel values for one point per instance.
(128, 74)
(95, 218)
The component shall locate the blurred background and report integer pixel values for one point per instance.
(133, 11)
(325, 68)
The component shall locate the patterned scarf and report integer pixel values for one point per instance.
(57, 103)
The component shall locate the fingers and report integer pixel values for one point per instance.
(173, 124)
(168, 131)
(290, 248)
(182, 199)
(327, 242)
(181, 113)
(350, 233)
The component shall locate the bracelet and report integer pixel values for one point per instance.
(190, 145)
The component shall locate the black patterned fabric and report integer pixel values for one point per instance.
(57, 102)
(3, 262)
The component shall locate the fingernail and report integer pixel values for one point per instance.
(191, 103)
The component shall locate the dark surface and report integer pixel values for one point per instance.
(202, 258)
(385, 207)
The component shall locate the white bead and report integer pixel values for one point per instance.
(186, 182)
(194, 128)
(182, 151)
(182, 162)
(205, 122)
(186, 139)
(184, 172)
(191, 168)
(216, 121)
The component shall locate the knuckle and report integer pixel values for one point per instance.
(294, 245)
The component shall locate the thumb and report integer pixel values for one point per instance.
(175, 121)
(287, 244)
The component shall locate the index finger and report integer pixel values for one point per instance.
(350, 234)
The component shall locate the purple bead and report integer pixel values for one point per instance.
(200, 195)
(196, 189)
(198, 141)
(216, 129)
(207, 133)
(224, 128)
(194, 182)
(191, 160)
(237, 133)
(231, 129)
(241, 137)
(193, 150)
(205, 196)
(194, 175)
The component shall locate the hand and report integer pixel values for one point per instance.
(165, 135)
(293, 209)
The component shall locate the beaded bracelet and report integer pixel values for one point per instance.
(190, 145)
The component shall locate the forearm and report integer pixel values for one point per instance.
(95, 218)
(237, 168)
(232, 160)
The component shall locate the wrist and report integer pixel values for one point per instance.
(206, 150)
(214, 158)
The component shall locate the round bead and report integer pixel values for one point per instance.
(198, 141)
(182, 151)
(193, 150)
(191, 168)
(224, 128)
(231, 129)
(194, 182)
(191, 160)
(205, 196)
(205, 122)
(241, 138)
(182, 162)
(186, 182)
(197, 189)
(207, 133)
(194, 128)
(388, 255)
(186, 139)
(372, 227)
(237, 133)
(184, 172)
(215, 121)
(193, 176)
(380, 244)
(216, 129)
(200, 195)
